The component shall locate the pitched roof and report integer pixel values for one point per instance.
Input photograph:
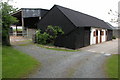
(110, 25)
(82, 20)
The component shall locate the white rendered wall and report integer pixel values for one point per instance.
(93, 38)
(104, 36)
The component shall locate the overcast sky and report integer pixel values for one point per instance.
(96, 8)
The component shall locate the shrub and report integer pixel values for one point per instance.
(42, 38)
(48, 36)
(113, 37)
(54, 31)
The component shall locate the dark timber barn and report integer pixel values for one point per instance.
(80, 29)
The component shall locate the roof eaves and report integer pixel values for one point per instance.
(16, 12)
(34, 9)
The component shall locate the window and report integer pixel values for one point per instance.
(94, 33)
(101, 32)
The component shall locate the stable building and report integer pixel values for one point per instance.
(80, 29)
(28, 19)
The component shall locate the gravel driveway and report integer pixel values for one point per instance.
(61, 64)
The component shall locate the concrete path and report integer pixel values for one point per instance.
(110, 47)
(61, 64)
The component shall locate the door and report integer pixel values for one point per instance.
(101, 33)
(106, 35)
(96, 36)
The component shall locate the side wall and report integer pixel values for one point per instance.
(67, 41)
(82, 37)
(78, 38)
(79, 33)
(86, 36)
(109, 35)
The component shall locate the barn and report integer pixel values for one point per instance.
(80, 29)
(28, 18)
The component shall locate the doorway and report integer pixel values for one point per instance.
(101, 33)
(96, 36)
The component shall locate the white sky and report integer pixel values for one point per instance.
(96, 8)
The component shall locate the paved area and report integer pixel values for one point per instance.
(17, 40)
(62, 64)
(110, 47)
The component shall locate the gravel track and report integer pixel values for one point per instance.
(62, 64)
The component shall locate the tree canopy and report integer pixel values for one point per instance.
(6, 20)
(116, 16)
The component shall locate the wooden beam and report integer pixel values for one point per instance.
(16, 30)
(23, 31)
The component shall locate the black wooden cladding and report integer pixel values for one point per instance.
(74, 40)
(66, 41)
(79, 37)
(86, 36)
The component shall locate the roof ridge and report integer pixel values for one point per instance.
(78, 12)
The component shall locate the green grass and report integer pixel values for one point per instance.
(0, 62)
(25, 42)
(56, 48)
(112, 66)
(16, 64)
(17, 29)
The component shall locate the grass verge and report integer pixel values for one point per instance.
(16, 64)
(112, 66)
(56, 48)
(0, 62)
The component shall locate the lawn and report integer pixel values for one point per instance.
(16, 64)
(112, 66)
(0, 61)
(17, 29)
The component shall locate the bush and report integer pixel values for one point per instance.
(48, 36)
(54, 31)
(113, 37)
(42, 38)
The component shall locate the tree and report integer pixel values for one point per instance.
(116, 16)
(7, 20)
